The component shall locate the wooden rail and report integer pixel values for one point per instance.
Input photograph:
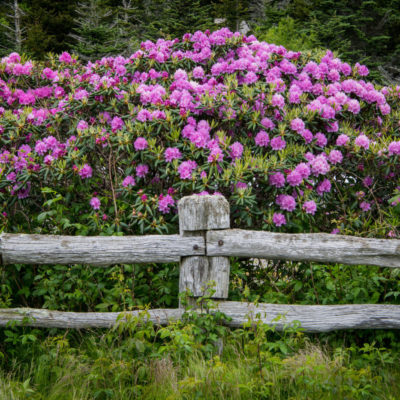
(203, 248)
(97, 250)
(318, 247)
(312, 318)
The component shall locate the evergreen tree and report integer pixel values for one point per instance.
(38, 42)
(234, 11)
(361, 31)
(95, 32)
(49, 23)
(177, 17)
(128, 25)
(256, 10)
(288, 34)
(13, 30)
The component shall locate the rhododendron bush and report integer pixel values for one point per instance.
(295, 143)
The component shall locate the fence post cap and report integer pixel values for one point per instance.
(198, 213)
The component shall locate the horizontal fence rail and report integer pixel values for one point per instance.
(203, 248)
(106, 250)
(312, 318)
(317, 247)
(97, 250)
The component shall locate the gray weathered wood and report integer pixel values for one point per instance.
(319, 247)
(311, 318)
(75, 320)
(200, 213)
(97, 250)
(196, 272)
(197, 214)
(316, 318)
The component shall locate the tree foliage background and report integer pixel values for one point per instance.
(363, 31)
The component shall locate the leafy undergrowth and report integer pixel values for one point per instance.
(198, 358)
(185, 360)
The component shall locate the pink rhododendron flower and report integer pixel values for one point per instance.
(186, 168)
(278, 101)
(362, 141)
(250, 78)
(86, 171)
(385, 109)
(95, 203)
(142, 170)
(81, 94)
(116, 124)
(216, 155)
(362, 70)
(368, 181)
(241, 185)
(319, 165)
(236, 150)
(394, 148)
(128, 181)
(365, 206)
(172, 153)
(277, 143)
(198, 73)
(267, 123)
(310, 207)
(286, 202)
(262, 139)
(353, 106)
(82, 125)
(164, 203)
(335, 157)
(321, 139)
(65, 58)
(297, 125)
(49, 74)
(23, 192)
(277, 179)
(140, 144)
(342, 140)
(40, 147)
(278, 219)
(11, 177)
(294, 178)
(307, 135)
(180, 74)
(324, 187)
(48, 159)
(303, 169)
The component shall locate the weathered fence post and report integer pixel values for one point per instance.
(197, 215)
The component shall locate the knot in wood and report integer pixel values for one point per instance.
(196, 247)
(220, 242)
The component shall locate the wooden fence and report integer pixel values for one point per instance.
(203, 248)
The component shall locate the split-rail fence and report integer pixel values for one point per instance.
(203, 248)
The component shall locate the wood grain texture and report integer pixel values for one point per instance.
(315, 318)
(311, 318)
(196, 272)
(319, 247)
(199, 213)
(62, 319)
(97, 250)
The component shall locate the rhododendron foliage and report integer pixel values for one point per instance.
(290, 139)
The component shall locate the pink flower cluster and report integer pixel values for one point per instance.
(213, 112)
(165, 202)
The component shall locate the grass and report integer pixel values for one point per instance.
(146, 362)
